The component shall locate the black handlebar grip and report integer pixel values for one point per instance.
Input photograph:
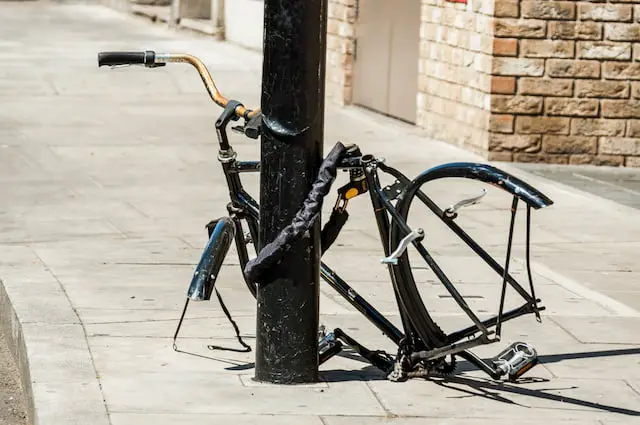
(252, 128)
(126, 58)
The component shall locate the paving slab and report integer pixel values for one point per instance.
(552, 400)
(187, 418)
(615, 183)
(109, 177)
(594, 361)
(602, 330)
(220, 393)
(81, 400)
(369, 420)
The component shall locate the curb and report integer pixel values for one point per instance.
(48, 344)
(12, 329)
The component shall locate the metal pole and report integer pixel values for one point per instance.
(292, 134)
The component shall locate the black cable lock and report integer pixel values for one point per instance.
(273, 252)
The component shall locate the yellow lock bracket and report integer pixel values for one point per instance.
(350, 191)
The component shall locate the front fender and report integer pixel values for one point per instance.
(204, 278)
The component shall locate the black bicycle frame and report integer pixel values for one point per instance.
(244, 207)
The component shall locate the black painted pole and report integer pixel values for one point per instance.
(291, 152)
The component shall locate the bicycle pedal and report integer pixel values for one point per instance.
(328, 350)
(516, 360)
(322, 333)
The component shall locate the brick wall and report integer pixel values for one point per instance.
(567, 91)
(519, 80)
(340, 48)
(455, 72)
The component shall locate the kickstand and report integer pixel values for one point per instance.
(246, 347)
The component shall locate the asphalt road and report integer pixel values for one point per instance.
(12, 410)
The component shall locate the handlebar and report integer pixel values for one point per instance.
(150, 59)
(126, 58)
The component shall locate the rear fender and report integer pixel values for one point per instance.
(486, 173)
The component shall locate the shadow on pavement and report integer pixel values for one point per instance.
(367, 373)
(493, 390)
(235, 364)
(554, 358)
(371, 373)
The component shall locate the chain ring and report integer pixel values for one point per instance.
(446, 368)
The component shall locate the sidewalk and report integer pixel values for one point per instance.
(618, 184)
(108, 178)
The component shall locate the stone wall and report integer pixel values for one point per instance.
(567, 71)
(340, 50)
(455, 72)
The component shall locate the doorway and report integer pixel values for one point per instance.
(387, 54)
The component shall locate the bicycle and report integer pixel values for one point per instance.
(423, 347)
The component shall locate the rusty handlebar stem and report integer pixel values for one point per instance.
(207, 79)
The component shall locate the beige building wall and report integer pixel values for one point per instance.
(341, 36)
(455, 72)
(519, 80)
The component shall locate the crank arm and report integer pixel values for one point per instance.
(373, 357)
(449, 349)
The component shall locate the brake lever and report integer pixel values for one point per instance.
(452, 211)
(417, 234)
